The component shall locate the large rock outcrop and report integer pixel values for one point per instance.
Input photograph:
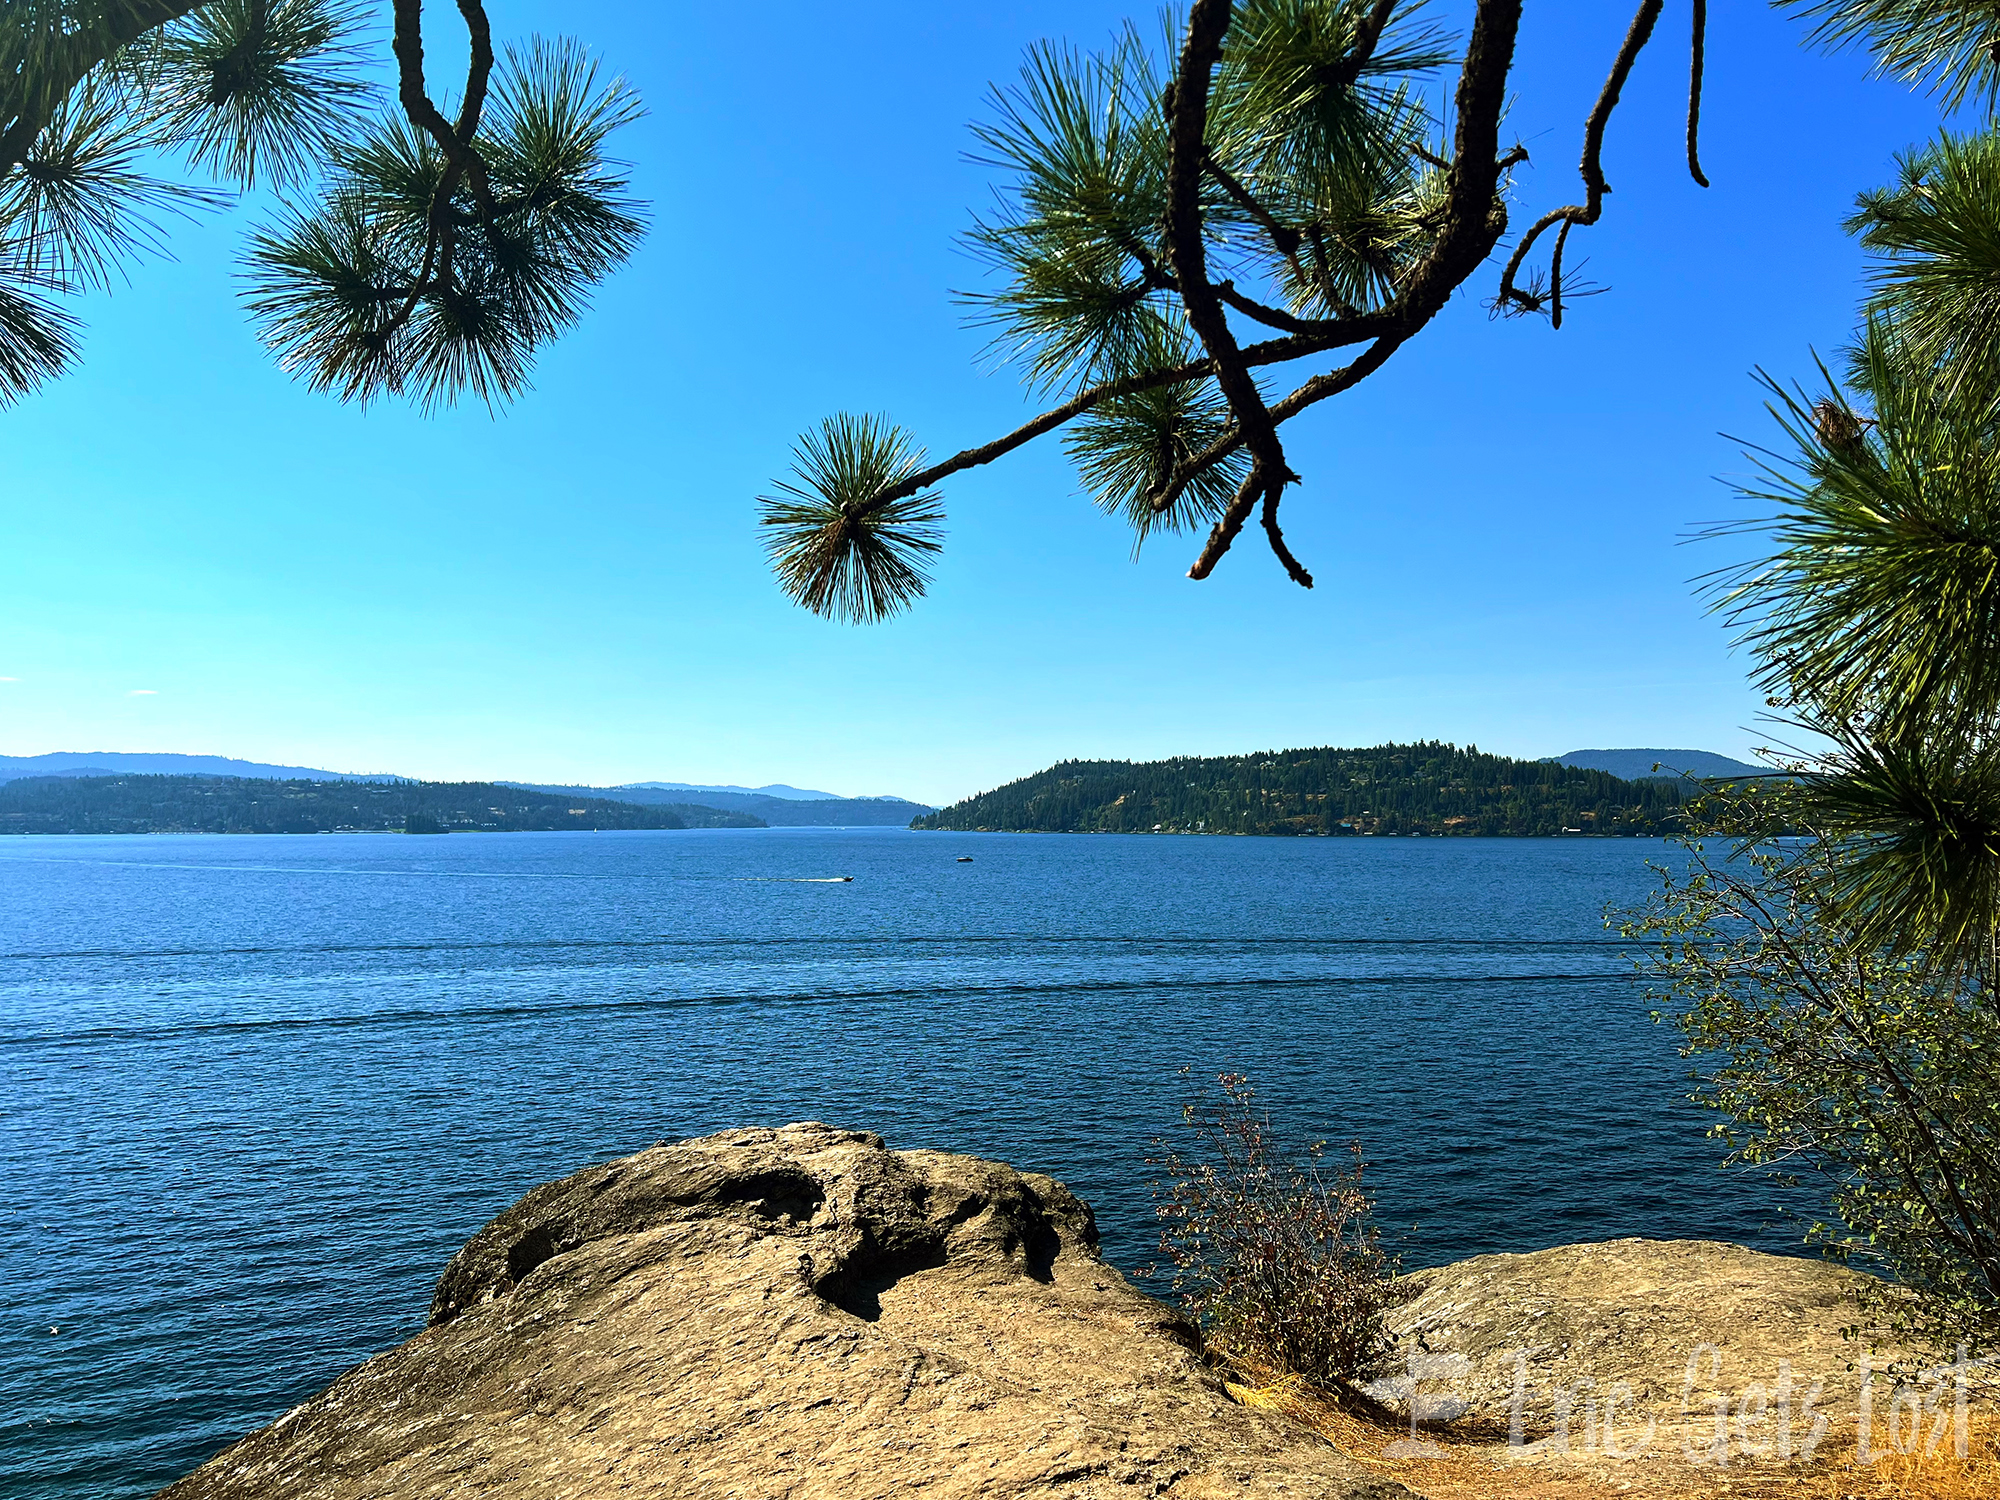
(786, 1313)
(1665, 1368)
(1646, 1328)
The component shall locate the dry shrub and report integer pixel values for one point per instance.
(1276, 1254)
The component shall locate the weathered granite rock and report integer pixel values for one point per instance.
(785, 1313)
(1670, 1326)
(1661, 1368)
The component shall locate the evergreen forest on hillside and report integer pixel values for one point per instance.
(226, 804)
(1419, 789)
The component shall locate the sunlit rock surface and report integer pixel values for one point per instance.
(786, 1313)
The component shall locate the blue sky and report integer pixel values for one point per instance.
(203, 556)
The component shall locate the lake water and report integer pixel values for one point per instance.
(255, 1091)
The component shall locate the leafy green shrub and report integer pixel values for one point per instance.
(1830, 1054)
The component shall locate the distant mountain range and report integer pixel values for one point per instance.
(1637, 765)
(814, 811)
(119, 762)
(1394, 790)
(777, 805)
(775, 789)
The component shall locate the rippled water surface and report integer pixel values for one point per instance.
(254, 1092)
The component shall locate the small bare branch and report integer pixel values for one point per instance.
(1270, 317)
(1511, 297)
(1284, 238)
(1226, 530)
(1556, 277)
(1695, 65)
(1277, 539)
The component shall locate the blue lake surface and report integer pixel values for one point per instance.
(255, 1091)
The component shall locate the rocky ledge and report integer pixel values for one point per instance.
(803, 1313)
(786, 1313)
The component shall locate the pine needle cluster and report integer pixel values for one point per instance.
(1874, 620)
(348, 292)
(836, 552)
(1951, 47)
(1839, 973)
(407, 254)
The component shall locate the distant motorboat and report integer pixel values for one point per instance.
(965, 859)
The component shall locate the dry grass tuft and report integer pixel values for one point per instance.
(1452, 1464)
(1942, 1475)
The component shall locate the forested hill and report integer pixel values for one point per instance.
(225, 804)
(1391, 789)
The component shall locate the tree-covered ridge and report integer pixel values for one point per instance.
(1427, 788)
(224, 804)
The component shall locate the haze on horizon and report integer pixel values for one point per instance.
(207, 558)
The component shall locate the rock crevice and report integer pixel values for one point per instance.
(785, 1313)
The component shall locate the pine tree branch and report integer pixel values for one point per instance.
(454, 140)
(1592, 167)
(479, 34)
(1367, 36)
(1314, 390)
(72, 55)
(1470, 226)
(462, 160)
(1473, 218)
(1270, 352)
(1187, 158)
